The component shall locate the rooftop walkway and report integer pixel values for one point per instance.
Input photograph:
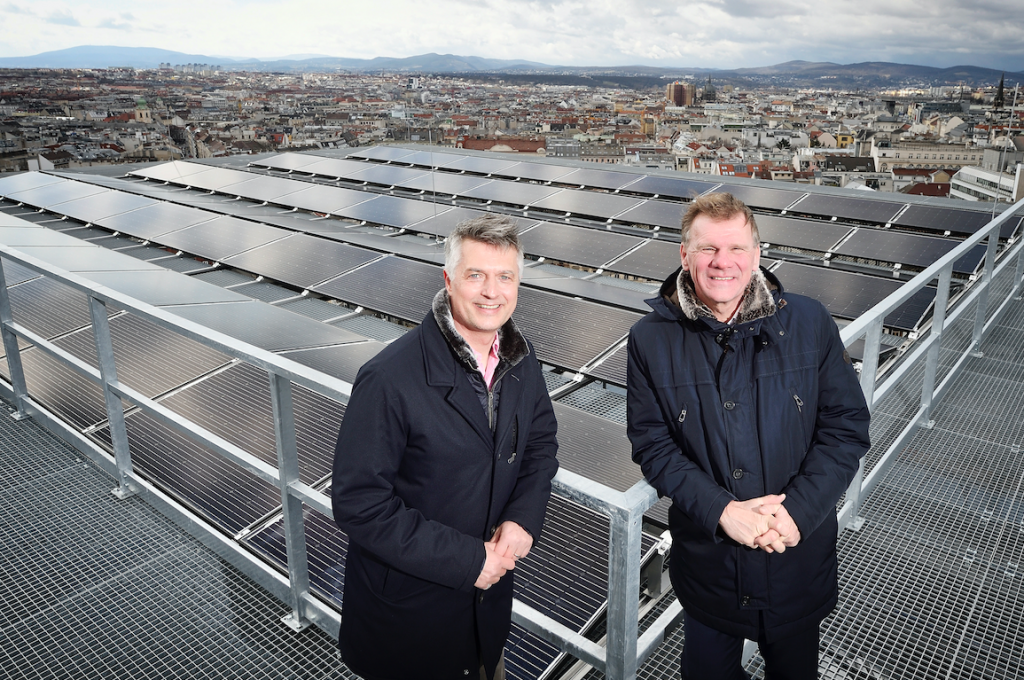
(931, 585)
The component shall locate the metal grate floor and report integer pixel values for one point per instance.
(95, 587)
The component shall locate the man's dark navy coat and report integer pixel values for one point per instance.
(780, 412)
(420, 483)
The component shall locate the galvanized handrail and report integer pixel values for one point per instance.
(620, 657)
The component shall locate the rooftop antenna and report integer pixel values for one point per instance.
(1002, 154)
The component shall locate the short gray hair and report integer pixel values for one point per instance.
(718, 207)
(500, 231)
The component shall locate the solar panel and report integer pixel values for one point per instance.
(302, 260)
(68, 394)
(442, 224)
(164, 287)
(221, 237)
(263, 188)
(264, 326)
(655, 213)
(175, 171)
(759, 197)
(849, 295)
(802, 234)
(428, 159)
(14, 273)
(955, 221)
(444, 183)
(387, 175)
(381, 153)
(587, 290)
(600, 179)
(483, 166)
(595, 448)
(391, 211)
(25, 181)
(588, 203)
(890, 246)
(288, 161)
(323, 199)
(96, 207)
(52, 194)
(686, 189)
(613, 368)
(968, 264)
(36, 236)
(334, 167)
(578, 245)
(513, 193)
(154, 220)
(340, 361)
(568, 332)
(654, 260)
(842, 207)
(86, 258)
(235, 404)
(47, 307)
(214, 179)
(410, 288)
(535, 171)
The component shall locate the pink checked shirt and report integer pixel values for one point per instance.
(488, 366)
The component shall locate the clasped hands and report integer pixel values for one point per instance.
(509, 543)
(761, 523)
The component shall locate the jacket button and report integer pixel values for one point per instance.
(746, 600)
(730, 405)
(480, 598)
(465, 671)
(737, 473)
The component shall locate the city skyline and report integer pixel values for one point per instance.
(720, 34)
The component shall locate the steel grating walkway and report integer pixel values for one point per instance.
(96, 587)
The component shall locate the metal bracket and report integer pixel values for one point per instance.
(295, 623)
(123, 492)
(856, 524)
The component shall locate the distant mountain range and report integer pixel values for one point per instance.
(792, 73)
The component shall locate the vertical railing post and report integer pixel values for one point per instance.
(623, 592)
(14, 367)
(982, 310)
(931, 366)
(291, 507)
(115, 409)
(868, 371)
(1019, 274)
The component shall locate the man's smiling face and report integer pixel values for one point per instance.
(721, 256)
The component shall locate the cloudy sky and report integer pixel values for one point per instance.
(701, 33)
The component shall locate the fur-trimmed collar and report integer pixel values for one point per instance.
(512, 347)
(757, 299)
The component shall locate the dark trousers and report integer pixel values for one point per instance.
(711, 655)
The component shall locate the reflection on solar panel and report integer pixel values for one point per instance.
(174, 171)
(759, 197)
(334, 167)
(46, 307)
(86, 258)
(163, 287)
(601, 179)
(595, 448)
(588, 290)
(442, 224)
(655, 213)
(860, 209)
(514, 193)
(391, 211)
(653, 260)
(14, 273)
(387, 175)
(323, 199)
(577, 245)
(889, 246)
(613, 368)
(483, 166)
(588, 203)
(263, 188)
(31, 235)
(25, 181)
(444, 183)
(381, 153)
(62, 390)
(410, 288)
(302, 260)
(568, 332)
(686, 189)
(214, 179)
(264, 326)
(288, 161)
(848, 295)
(534, 171)
(427, 159)
(221, 237)
(802, 234)
(96, 207)
(963, 222)
(52, 194)
(154, 220)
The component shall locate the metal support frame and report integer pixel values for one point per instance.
(932, 359)
(16, 371)
(986, 284)
(1019, 274)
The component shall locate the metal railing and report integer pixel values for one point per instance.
(624, 650)
(619, 658)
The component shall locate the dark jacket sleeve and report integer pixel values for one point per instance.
(665, 466)
(367, 457)
(840, 436)
(529, 500)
